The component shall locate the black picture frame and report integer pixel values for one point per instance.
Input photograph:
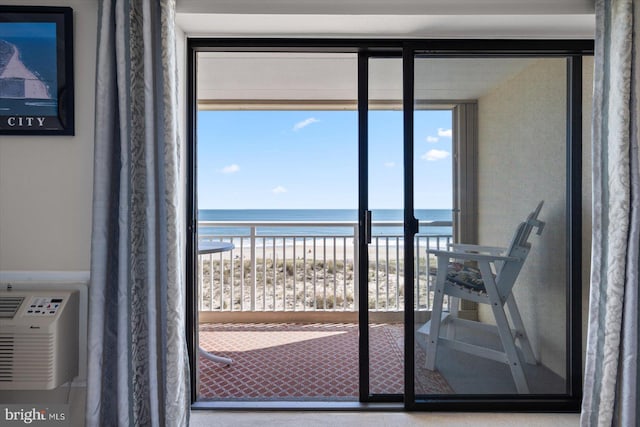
(36, 70)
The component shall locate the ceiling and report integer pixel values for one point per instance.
(272, 79)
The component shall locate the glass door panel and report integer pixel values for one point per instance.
(277, 150)
(497, 160)
(385, 276)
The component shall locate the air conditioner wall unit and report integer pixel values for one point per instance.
(38, 339)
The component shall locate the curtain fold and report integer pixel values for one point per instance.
(611, 366)
(138, 365)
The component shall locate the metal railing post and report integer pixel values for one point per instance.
(254, 276)
(356, 263)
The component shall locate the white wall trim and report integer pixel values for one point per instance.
(541, 26)
(43, 276)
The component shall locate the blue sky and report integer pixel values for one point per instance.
(309, 160)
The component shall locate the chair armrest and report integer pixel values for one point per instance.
(471, 256)
(464, 247)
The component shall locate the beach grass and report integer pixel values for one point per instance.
(301, 284)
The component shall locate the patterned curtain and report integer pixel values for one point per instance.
(611, 371)
(138, 365)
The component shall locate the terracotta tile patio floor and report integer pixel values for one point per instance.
(287, 361)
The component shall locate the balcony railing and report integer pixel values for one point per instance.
(273, 268)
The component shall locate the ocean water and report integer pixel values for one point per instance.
(315, 215)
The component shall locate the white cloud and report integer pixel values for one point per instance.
(445, 132)
(230, 169)
(279, 189)
(390, 164)
(305, 123)
(433, 155)
(432, 139)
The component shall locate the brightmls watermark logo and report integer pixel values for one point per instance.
(27, 416)
(34, 415)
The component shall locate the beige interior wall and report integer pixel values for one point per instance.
(46, 181)
(521, 160)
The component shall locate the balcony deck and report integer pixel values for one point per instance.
(317, 361)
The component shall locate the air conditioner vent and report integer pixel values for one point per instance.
(9, 306)
(38, 339)
(7, 343)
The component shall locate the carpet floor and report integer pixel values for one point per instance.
(286, 361)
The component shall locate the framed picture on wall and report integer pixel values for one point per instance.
(36, 70)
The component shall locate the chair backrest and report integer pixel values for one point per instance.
(520, 239)
(507, 272)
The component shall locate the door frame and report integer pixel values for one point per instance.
(573, 50)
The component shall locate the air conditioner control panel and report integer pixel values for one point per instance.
(43, 306)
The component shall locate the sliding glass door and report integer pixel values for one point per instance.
(444, 253)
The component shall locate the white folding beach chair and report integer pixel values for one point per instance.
(485, 275)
